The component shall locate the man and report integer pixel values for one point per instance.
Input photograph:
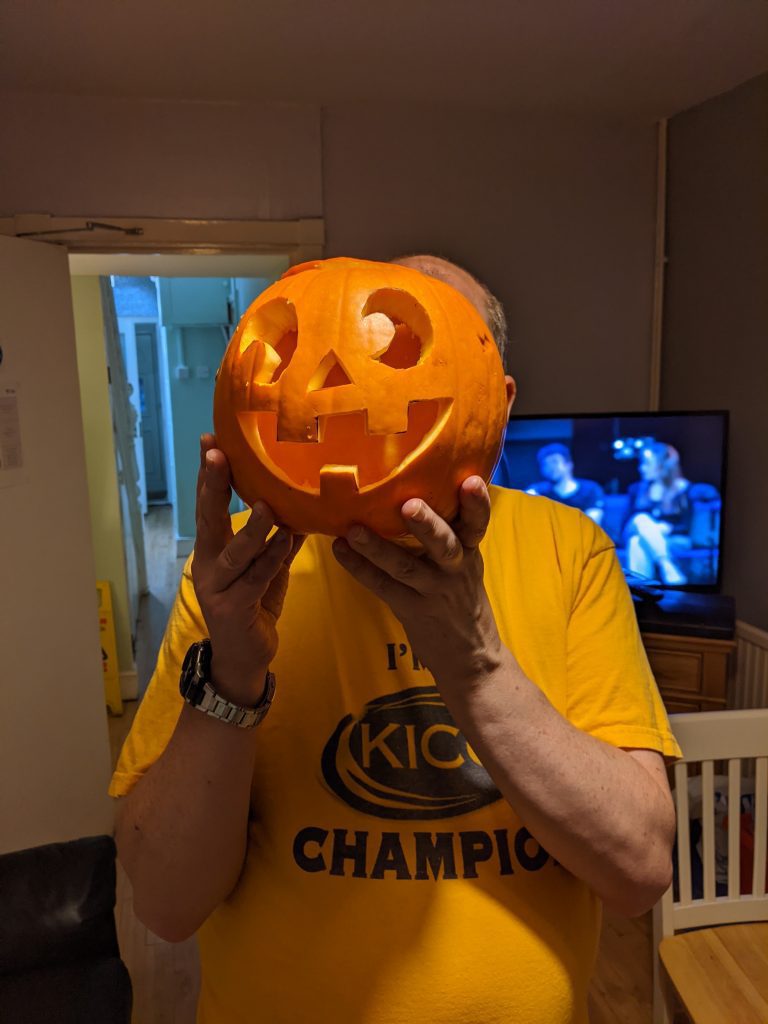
(559, 483)
(460, 764)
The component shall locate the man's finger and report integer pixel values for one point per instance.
(263, 570)
(474, 512)
(398, 563)
(243, 548)
(214, 528)
(395, 594)
(435, 535)
(274, 597)
(298, 542)
(207, 441)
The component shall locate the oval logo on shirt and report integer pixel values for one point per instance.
(405, 758)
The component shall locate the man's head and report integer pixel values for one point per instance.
(484, 301)
(555, 462)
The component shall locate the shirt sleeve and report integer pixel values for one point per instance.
(161, 706)
(611, 692)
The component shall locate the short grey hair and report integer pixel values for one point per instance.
(496, 318)
(497, 321)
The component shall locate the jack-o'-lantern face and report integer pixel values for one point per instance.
(342, 379)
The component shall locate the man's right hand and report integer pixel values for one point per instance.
(240, 581)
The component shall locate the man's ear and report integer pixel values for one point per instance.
(511, 386)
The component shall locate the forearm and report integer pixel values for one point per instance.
(595, 809)
(182, 831)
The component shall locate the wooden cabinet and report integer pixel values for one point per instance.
(692, 672)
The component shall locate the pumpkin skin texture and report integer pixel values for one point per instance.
(351, 386)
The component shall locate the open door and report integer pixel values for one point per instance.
(54, 745)
(125, 431)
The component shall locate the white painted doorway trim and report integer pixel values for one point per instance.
(300, 239)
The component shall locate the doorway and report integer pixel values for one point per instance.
(173, 330)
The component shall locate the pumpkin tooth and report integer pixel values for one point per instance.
(338, 483)
(388, 419)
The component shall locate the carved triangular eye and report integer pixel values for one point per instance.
(330, 373)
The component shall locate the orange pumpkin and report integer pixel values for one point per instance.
(351, 386)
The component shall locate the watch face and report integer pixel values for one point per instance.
(193, 673)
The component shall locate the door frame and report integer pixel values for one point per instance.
(301, 240)
(138, 237)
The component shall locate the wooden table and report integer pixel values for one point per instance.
(720, 974)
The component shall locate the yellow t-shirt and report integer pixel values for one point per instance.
(386, 881)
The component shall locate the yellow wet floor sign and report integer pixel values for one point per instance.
(109, 648)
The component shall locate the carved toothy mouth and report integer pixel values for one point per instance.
(346, 458)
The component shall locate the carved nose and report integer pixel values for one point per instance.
(330, 373)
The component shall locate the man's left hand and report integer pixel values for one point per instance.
(437, 593)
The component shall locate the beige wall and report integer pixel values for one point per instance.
(54, 748)
(75, 155)
(716, 322)
(103, 493)
(557, 215)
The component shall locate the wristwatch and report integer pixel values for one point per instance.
(196, 689)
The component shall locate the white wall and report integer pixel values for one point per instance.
(155, 158)
(716, 322)
(555, 214)
(54, 748)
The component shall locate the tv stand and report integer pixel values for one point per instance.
(689, 639)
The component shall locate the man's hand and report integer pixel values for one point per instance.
(437, 594)
(240, 581)
(604, 814)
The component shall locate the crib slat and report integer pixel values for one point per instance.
(761, 826)
(734, 827)
(708, 824)
(683, 832)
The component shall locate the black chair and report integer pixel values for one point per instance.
(59, 958)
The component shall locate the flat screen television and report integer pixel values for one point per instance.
(655, 482)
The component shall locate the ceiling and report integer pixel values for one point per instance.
(650, 58)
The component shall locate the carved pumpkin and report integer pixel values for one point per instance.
(351, 386)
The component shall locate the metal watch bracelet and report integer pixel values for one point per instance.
(225, 711)
(197, 690)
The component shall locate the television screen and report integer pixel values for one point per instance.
(653, 481)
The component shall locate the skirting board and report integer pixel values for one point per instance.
(184, 546)
(129, 684)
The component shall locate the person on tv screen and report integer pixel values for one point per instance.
(659, 515)
(559, 483)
